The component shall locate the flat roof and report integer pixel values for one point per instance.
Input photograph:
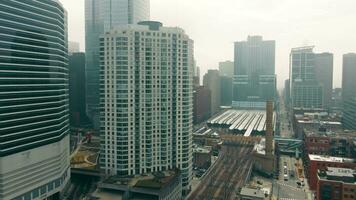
(250, 192)
(330, 159)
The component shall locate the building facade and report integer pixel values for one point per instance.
(147, 100)
(349, 114)
(211, 80)
(226, 68)
(102, 16)
(77, 108)
(202, 104)
(324, 67)
(254, 74)
(226, 90)
(34, 116)
(306, 90)
(318, 162)
(336, 183)
(348, 76)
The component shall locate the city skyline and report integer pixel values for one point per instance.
(276, 20)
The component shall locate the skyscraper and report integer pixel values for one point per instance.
(77, 89)
(146, 100)
(324, 66)
(305, 90)
(225, 90)
(348, 76)
(211, 81)
(34, 122)
(100, 17)
(226, 68)
(254, 78)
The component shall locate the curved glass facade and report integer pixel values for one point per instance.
(33, 75)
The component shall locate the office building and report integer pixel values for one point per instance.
(102, 16)
(73, 47)
(324, 66)
(77, 89)
(348, 76)
(226, 68)
(226, 90)
(349, 114)
(211, 80)
(34, 121)
(146, 100)
(254, 74)
(336, 183)
(305, 89)
(202, 104)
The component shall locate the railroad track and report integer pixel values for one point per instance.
(227, 175)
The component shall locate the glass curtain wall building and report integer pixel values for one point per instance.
(34, 121)
(146, 100)
(102, 16)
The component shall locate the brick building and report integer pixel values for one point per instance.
(336, 183)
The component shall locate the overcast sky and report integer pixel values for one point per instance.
(214, 25)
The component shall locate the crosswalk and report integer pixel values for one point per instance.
(291, 187)
(287, 199)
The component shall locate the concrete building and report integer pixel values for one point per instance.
(77, 108)
(211, 81)
(348, 76)
(254, 74)
(146, 119)
(202, 157)
(251, 194)
(165, 185)
(317, 163)
(34, 120)
(336, 183)
(226, 90)
(306, 91)
(226, 69)
(324, 67)
(102, 16)
(201, 104)
(349, 114)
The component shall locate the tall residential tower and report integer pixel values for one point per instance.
(102, 16)
(34, 122)
(146, 100)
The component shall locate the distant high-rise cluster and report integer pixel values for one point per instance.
(146, 100)
(34, 112)
(254, 78)
(102, 16)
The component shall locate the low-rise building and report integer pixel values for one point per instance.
(202, 157)
(164, 185)
(325, 142)
(251, 194)
(319, 162)
(336, 183)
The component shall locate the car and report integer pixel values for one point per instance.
(285, 177)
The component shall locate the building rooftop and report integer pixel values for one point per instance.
(338, 174)
(323, 158)
(201, 150)
(246, 122)
(250, 192)
(156, 180)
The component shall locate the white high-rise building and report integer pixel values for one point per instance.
(102, 16)
(146, 96)
(34, 120)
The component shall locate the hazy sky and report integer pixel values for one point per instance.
(214, 25)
